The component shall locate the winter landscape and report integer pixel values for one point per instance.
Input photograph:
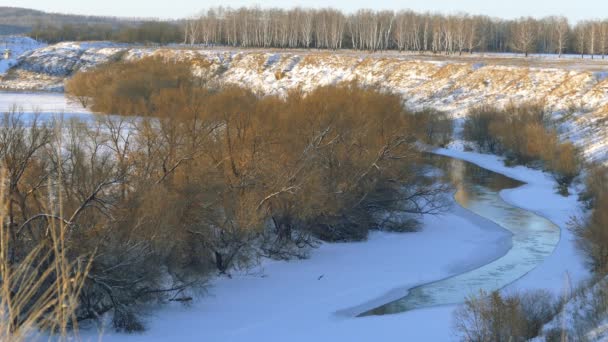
(296, 173)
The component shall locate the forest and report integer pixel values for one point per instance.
(403, 30)
(145, 32)
(366, 30)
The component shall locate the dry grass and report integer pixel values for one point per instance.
(39, 292)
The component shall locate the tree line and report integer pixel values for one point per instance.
(366, 29)
(204, 180)
(23, 20)
(158, 32)
(394, 30)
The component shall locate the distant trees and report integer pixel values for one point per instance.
(159, 32)
(524, 35)
(383, 30)
(560, 29)
(23, 20)
(329, 28)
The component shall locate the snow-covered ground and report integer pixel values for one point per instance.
(46, 104)
(300, 300)
(39, 101)
(18, 46)
(304, 300)
(41, 67)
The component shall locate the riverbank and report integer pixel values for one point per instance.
(306, 300)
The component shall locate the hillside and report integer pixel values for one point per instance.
(16, 20)
(576, 91)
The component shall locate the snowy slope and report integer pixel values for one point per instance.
(578, 94)
(47, 67)
(18, 46)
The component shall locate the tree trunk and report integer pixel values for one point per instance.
(219, 262)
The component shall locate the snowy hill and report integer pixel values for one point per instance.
(576, 92)
(18, 46)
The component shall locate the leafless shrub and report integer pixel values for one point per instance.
(524, 135)
(494, 317)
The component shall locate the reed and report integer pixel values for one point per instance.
(39, 291)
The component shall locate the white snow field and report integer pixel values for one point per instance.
(305, 300)
(18, 46)
(46, 104)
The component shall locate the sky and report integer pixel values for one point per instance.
(573, 9)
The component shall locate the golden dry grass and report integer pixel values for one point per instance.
(39, 293)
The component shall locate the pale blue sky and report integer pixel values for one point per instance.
(574, 9)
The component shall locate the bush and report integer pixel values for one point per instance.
(128, 88)
(592, 235)
(525, 136)
(434, 127)
(591, 232)
(497, 318)
(477, 128)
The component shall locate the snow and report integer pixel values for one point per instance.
(39, 102)
(314, 299)
(64, 58)
(304, 300)
(18, 46)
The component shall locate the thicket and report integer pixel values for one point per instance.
(591, 231)
(525, 135)
(39, 293)
(494, 317)
(206, 180)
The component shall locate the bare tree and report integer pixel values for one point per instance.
(603, 38)
(581, 36)
(524, 35)
(560, 33)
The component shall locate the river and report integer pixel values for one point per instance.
(533, 239)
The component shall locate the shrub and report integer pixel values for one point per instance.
(592, 235)
(434, 127)
(495, 317)
(525, 136)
